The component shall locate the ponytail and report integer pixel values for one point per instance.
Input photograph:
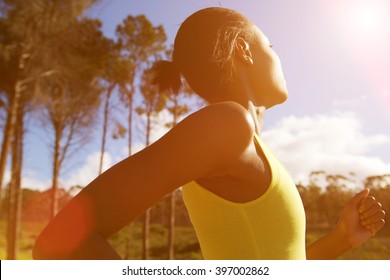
(166, 76)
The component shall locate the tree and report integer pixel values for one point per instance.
(379, 186)
(27, 28)
(14, 212)
(138, 40)
(312, 200)
(336, 196)
(70, 97)
(152, 103)
(13, 56)
(116, 71)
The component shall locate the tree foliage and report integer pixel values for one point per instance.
(70, 98)
(138, 41)
(326, 194)
(51, 56)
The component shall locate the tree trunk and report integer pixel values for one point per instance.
(171, 227)
(146, 219)
(13, 106)
(14, 214)
(130, 120)
(105, 126)
(56, 172)
(145, 235)
(9, 131)
(130, 95)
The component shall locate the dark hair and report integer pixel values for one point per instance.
(203, 52)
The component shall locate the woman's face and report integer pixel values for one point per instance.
(267, 75)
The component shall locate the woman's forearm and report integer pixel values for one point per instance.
(329, 246)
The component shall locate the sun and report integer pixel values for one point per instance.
(363, 32)
(363, 25)
(368, 17)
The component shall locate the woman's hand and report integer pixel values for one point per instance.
(362, 218)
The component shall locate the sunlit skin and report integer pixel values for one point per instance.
(126, 190)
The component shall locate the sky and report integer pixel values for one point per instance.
(336, 62)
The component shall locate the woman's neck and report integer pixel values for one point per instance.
(257, 114)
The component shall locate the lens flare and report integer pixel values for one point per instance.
(368, 18)
(364, 31)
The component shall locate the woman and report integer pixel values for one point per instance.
(240, 199)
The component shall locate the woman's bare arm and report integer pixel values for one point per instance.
(189, 151)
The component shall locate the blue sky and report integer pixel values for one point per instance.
(337, 65)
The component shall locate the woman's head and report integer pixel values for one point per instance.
(205, 52)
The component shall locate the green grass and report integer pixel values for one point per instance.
(29, 232)
(128, 243)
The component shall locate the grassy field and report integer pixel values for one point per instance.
(29, 232)
(128, 243)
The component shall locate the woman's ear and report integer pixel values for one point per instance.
(243, 50)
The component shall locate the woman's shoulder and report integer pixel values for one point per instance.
(225, 120)
(221, 131)
(225, 127)
(225, 115)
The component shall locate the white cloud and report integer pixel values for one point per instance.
(332, 143)
(81, 176)
(158, 125)
(29, 180)
(35, 184)
(135, 148)
(88, 171)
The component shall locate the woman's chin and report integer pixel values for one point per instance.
(280, 98)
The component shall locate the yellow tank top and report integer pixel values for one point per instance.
(269, 227)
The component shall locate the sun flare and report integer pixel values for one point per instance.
(363, 28)
(368, 18)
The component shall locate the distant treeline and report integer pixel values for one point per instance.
(323, 204)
